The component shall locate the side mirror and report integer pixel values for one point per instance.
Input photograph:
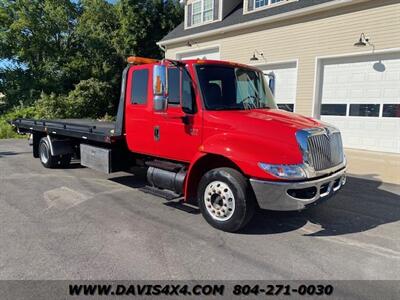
(160, 84)
(271, 84)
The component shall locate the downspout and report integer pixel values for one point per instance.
(163, 48)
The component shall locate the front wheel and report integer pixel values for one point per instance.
(225, 199)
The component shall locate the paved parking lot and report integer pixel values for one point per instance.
(80, 224)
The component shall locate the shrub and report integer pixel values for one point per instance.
(6, 130)
(89, 99)
(51, 106)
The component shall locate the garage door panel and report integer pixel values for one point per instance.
(285, 81)
(372, 83)
(390, 93)
(358, 132)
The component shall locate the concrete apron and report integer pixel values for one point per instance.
(380, 166)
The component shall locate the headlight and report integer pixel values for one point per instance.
(284, 171)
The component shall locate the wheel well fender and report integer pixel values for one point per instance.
(204, 163)
(59, 147)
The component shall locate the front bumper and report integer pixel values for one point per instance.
(288, 196)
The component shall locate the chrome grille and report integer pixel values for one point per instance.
(325, 150)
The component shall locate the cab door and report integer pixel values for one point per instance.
(178, 134)
(138, 110)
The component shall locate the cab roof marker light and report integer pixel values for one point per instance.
(136, 60)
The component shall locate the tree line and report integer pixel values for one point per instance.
(67, 56)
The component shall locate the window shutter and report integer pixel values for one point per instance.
(216, 10)
(189, 16)
(250, 5)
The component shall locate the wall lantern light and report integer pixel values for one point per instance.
(364, 41)
(255, 58)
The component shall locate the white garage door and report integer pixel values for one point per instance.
(285, 83)
(361, 96)
(201, 54)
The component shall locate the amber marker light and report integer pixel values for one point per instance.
(136, 60)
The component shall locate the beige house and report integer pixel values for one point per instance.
(308, 49)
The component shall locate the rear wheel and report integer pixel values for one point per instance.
(225, 199)
(52, 161)
(47, 160)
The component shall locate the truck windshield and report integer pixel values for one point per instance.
(233, 88)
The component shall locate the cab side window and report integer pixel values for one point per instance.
(174, 86)
(188, 99)
(140, 80)
(180, 89)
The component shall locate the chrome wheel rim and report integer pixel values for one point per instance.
(219, 201)
(44, 153)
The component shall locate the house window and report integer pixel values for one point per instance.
(286, 106)
(391, 111)
(202, 11)
(261, 3)
(364, 110)
(196, 17)
(208, 10)
(333, 109)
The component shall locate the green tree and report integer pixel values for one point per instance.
(97, 57)
(68, 55)
(143, 23)
(38, 36)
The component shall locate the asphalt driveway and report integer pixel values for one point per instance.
(81, 224)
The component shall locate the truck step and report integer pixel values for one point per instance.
(166, 194)
(164, 165)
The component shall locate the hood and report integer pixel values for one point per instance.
(287, 118)
(251, 136)
(270, 124)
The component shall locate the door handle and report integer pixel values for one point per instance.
(156, 133)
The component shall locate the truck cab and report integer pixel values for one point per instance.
(210, 132)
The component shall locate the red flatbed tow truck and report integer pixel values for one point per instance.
(208, 132)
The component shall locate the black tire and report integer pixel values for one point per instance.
(235, 184)
(48, 161)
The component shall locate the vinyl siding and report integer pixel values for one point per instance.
(328, 33)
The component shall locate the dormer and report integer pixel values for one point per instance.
(203, 12)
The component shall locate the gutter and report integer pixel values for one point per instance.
(261, 21)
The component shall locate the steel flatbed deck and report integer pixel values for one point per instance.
(85, 129)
